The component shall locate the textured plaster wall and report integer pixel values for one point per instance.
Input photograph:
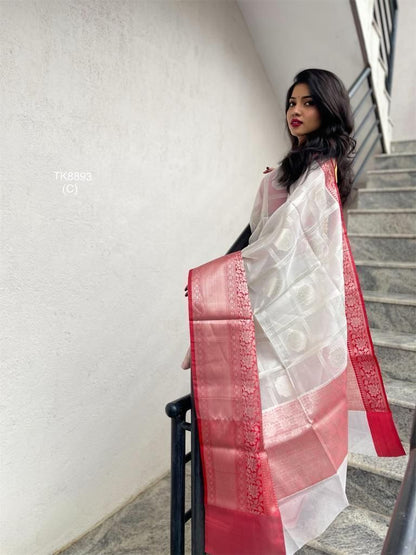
(134, 134)
(403, 113)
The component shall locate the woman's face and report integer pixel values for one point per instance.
(302, 115)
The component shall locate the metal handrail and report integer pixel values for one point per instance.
(359, 81)
(364, 98)
(385, 16)
(365, 77)
(177, 411)
(370, 112)
(401, 536)
(369, 153)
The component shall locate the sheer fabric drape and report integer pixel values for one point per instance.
(294, 273)
(284, 372)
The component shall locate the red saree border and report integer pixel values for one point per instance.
(241, 511)
(193, 362)
(360, 344)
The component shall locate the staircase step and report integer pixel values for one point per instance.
(355, 531)
(394, 197)
(400, 160)
(391, 311)
(391, 178)
(396, 353)
(387, 276)
(403, 146)
(402, 399)
(373, 483)
(380, 247)
(382, 220)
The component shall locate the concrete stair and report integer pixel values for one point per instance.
(398, 160)
(403, 146)
(397, 247)
(391, 311)
(396, 353)
(387, 277)
(394, 197)
(382, 232)
(391, 178)
(382, 221)
(352, 533)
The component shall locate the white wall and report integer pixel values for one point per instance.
(291, 35)
(403, 113)
(168, 107)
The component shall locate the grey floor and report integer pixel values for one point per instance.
(141, 527)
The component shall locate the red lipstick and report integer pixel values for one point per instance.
(295, 122)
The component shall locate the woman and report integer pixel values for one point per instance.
(284, 373)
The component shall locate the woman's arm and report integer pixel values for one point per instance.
(241, 241)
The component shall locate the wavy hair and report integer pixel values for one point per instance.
(332, 139)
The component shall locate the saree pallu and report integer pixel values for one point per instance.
(284, 374)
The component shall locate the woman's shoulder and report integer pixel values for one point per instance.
(313, 173)
(271, 177)
(319, 167)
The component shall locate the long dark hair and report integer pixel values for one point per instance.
(332, 139)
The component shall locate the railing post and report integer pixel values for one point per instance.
(390, 61)
(176, 410)
(197, 491)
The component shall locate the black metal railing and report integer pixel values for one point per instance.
(368, 131)
(401, 536)
(177, 411)
(385, 20)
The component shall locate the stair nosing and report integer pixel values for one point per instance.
(382, 210)
(389, 298)
(398, 401)
(317, 543)
(388, 343)
(386, 155)
(392, 170)
(383, 235)
(375, 465)
(386, 189)
(387, 264)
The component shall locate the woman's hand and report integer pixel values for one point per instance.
(186, 364)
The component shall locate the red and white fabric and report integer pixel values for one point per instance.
(284, 373)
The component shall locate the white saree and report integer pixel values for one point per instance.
(295, 278)
(278, 412)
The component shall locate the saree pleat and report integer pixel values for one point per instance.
(284, 373)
